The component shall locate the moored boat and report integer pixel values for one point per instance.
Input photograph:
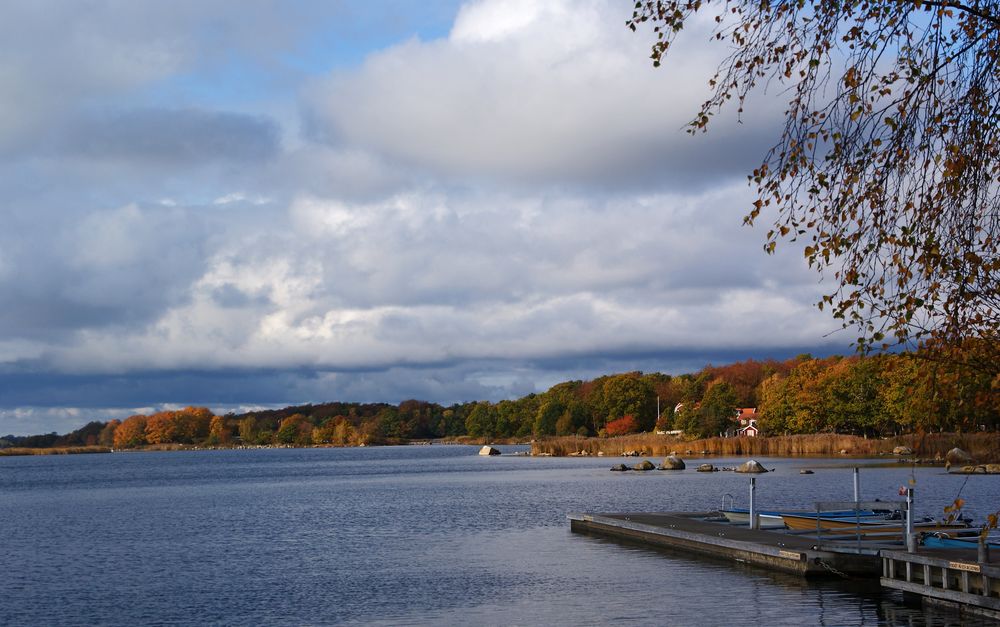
(768, 520)
(805, 523)
(946, 541)
(772, 519)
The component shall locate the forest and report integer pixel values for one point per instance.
(872, 396)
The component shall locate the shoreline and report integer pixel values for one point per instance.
(929, 449)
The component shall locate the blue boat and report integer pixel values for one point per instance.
(946, 541)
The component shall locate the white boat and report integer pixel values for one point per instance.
(769, 520)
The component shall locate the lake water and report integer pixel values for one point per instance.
(407, 535)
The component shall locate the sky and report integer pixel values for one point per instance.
(261, 203)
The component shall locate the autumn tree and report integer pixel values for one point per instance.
(218, 431)
(629, 394)
(621, 426)
(192, 424)
(161, 428)
(294, 429)
(888, 165)
(774, 407)
(336, 430)
(131, 432)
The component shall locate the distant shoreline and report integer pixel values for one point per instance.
(923, 448)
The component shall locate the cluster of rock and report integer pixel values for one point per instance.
(979, 469)
(752, 466)
(676, 463)
(670, 463)
(960, 462)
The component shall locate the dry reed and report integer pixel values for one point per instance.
(984, 447)
(67, 450)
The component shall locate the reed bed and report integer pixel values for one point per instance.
(67, 450)
(984, 447)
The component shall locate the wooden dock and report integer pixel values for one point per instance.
(950, 577)
(954, 578)
(691, 532)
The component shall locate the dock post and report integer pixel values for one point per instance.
(983, 552)
(911, 538)
(857, 487)
(754, 522)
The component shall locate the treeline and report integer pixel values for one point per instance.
(868, 396)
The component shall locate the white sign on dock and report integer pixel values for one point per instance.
(972, 568)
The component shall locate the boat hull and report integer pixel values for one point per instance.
(772, 519)
(767, 520)
(875, 525)
(932, 542)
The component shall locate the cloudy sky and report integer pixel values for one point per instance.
(265, 203)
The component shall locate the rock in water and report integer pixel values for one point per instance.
(751, 466)
(644, 465)
(672, 463)
(958, 457)
(706, 468)
(619, 468)
(805, 471)
(488, 450)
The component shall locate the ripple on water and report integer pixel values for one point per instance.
(403, 535)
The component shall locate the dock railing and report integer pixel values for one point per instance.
(944, 578)
(857, 530)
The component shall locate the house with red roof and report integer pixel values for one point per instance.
(746, 417)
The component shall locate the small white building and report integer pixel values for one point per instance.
(749, 431)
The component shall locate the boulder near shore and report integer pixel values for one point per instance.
(672, 463)
(489, 450)
(751, 466)
(958, 457)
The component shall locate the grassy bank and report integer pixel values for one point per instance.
(985, 447)
(68, 450)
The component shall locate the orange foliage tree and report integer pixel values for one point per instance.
(621, 426)
(161, 428)
(193, 424)
(131, 432)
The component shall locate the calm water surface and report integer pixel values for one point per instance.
(406, 535)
